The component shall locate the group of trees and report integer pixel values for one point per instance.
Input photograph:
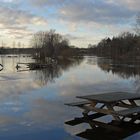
(50, 44)
(126, 45)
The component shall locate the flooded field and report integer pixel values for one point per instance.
(32, 101)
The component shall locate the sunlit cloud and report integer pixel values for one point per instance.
(15, 23)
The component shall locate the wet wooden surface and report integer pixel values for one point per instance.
(111, 97)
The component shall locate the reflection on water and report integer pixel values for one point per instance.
(108, 131)
(43, 76)
(124, 70)
(32, 102)
(95, 133)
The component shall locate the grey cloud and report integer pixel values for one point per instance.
(72, 37)
(131, 4)
(95, 11)
(98, 11)
(39, 3)
(10, 16)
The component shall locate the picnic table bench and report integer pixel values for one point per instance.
(120, 105)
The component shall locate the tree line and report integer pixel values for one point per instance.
(126, 45)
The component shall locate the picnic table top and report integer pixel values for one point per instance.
(111, 97)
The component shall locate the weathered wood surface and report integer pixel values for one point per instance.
(124, 105)
(81, 103)
(99, 110)
(110, 111)
(109, 101)
(111, 97)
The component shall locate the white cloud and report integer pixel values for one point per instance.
(16, 22)
(99, 11)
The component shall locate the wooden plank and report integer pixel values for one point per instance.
(111, 108)
(109, 111)
(78, 103)
(111, 97)
(99, 110)
(124, 105)
(132, 102)
(128, 112)
(124, 113)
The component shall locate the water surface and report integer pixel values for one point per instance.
(32, 102)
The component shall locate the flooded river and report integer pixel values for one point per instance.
(32, 101)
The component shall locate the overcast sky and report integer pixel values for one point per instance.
(81, 21)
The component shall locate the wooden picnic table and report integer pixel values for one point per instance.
(111, 100)
(120, 105)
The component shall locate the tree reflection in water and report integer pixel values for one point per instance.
(49, 74)
(137, 84)
(124, 69)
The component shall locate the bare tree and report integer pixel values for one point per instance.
(48, 43)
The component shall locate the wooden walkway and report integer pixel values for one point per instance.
(108, 104)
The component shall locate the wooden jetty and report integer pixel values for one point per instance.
(33, 66)
(121, 106)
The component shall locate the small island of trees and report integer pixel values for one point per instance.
(50, 44)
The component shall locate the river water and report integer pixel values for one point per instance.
(32, 101)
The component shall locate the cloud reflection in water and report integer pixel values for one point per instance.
(32, 102)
